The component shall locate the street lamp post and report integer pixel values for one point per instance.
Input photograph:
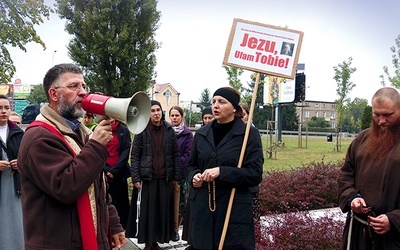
(52, 59)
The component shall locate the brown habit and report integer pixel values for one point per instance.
(378, 182)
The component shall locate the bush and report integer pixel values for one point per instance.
(285, 197)
(300, 231)
(305, 188)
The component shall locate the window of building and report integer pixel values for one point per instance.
(316, 105)
(324, 105)
(324, 114)
(316, 114)
(167, 96)
(333, 115)
(333, 106)
(307, 114)
(307, 104)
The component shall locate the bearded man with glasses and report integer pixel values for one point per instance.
(65, 204)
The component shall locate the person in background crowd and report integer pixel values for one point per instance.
(246, 111)
(213, 172)
(185, 139)
(117, 168)
(207, 115)
(16, 118)
(11, 226)
(64, 203)
(156, 170)
(368, 182)
(88, 120)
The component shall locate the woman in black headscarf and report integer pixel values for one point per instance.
(155, 170)
(213, 172)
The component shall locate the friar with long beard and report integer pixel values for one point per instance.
(369, 180)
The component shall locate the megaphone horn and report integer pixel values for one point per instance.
(133, 111)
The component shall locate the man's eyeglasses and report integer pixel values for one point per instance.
(75, 87)
(5, 108)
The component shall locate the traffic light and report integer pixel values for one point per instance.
(300, 88)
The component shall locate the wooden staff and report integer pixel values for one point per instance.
(177, 194)
(246, 137)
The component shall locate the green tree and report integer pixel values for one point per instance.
(191, 118)
(205, 99)
(196, 118)
(37, 95)
(114, 42)
(395, 79)
(289, 117)
(318, 122)
(342, 75)
(248, 92)
(348, 123)
(355, 109)
(262, 115)
(234, 78)
(17, 21)
(366, 118)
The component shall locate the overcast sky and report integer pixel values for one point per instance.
(194, 37)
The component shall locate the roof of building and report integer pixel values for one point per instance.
(159, 87)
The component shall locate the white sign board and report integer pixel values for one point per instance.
(263, 48)
(278, 90)
(287, 91)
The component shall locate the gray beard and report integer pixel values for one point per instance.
(68, 110)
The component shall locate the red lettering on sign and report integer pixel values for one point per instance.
(271, 60)
(259, 44)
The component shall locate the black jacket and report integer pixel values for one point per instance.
(207, 225)
(13, 142)
(142, 155)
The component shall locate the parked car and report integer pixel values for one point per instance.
(30, 112)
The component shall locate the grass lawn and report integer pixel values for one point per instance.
(291, 156)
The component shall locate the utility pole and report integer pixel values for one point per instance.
(190, 113)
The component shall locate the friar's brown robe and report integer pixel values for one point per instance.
(377, 181)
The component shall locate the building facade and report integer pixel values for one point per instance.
(168, 97)
(166, 94)
(320, 109)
